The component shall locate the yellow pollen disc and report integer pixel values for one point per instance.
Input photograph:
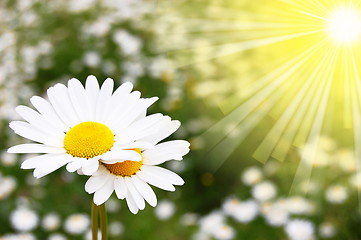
(126, 168)
(88, 139)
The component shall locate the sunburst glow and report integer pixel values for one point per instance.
(344, 25)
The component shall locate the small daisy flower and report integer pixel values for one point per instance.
(24, 219)
(79, 127)
(77, 223)
(116, 228)
(327, 230)
(298, 229)
(336, 194)
(264, 191)
(251, 176)
(130, 179)
(165, 210)
(51, 222)
(246, 211)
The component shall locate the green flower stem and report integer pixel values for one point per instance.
(103, 222)
(94, 213)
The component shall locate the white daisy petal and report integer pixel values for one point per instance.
(51, 165)
(104, 106)
(78, 95)
(75, 164)
(164, 173)
(118, 117)
(139, 200)
(131, 204)
(164, 129)
(141, 145)
(119, 155)
(122, 91)
(120, 102)
(37, 120)
(90, 166)
(166, 151)
(136, 111)
(120, 187)
(36, 161)
(28, 131)
(48, 112)
(103, 194)
(95, 183)
(59, 98)
(92, 89)
(155, 181)
(145, 190)
(140, 129)
(35, 148)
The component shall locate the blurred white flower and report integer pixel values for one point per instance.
(130, 9)
(336, 194)
(264, 191)
(211, 222)
(7, 159)
(165, 209)
(100, 27)
(225, 232)
(116, 229)
(298, 229)
(109, 67)
(77, 223)
(80, 5)
(252, 176)
(176, 166)
(133, 68)
(345, 158)
(230, 205)
(7, 186)
(128, 43)
(158, 66)
(51, 222)
(112, 205)
(91, 59)
(56, 236)
(299, 205)
(271, 167)
(277, 214)
(327, 230)
(25, 4)
(188, 219)
(24, 219)
(245, 211)
(21, 236)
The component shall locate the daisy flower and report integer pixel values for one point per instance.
(81, 126)
(130, 179)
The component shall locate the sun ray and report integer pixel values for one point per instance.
(273, 137)
(308, 154)
(248, 113)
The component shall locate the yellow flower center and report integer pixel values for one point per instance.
(88, 139)
(126, 168)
